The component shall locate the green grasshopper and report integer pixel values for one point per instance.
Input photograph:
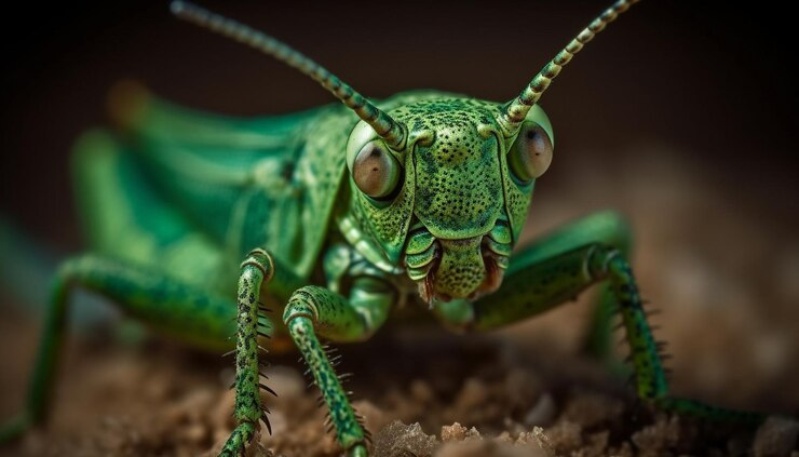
(335, 216)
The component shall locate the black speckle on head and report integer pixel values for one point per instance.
(458, 178)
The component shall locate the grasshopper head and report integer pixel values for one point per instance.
(456, 194)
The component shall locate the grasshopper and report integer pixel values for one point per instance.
(334, 217)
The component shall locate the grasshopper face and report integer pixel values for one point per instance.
(468, 184)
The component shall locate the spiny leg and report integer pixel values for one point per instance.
(315, 310)
(256, 270)
(176, 308)
(543, 284)
(650, 378)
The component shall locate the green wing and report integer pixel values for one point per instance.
(247, 182)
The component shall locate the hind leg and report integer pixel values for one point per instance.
(146, 259)
(151, 296)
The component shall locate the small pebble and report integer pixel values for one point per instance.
(543, 411)
(776, 437)
(454, 432)
(397, 438)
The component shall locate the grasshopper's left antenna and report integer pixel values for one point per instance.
(386, 127)
(514, 112)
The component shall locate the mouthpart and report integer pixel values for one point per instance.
(457, 269)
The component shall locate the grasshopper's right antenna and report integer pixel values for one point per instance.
(515, 111)
(386, 127)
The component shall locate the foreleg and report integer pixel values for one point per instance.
(542, 284)
(313, 311)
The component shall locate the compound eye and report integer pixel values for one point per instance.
(375, 171)
(531, 153)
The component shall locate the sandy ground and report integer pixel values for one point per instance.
(725, 275)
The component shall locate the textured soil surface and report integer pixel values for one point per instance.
(726, 278)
